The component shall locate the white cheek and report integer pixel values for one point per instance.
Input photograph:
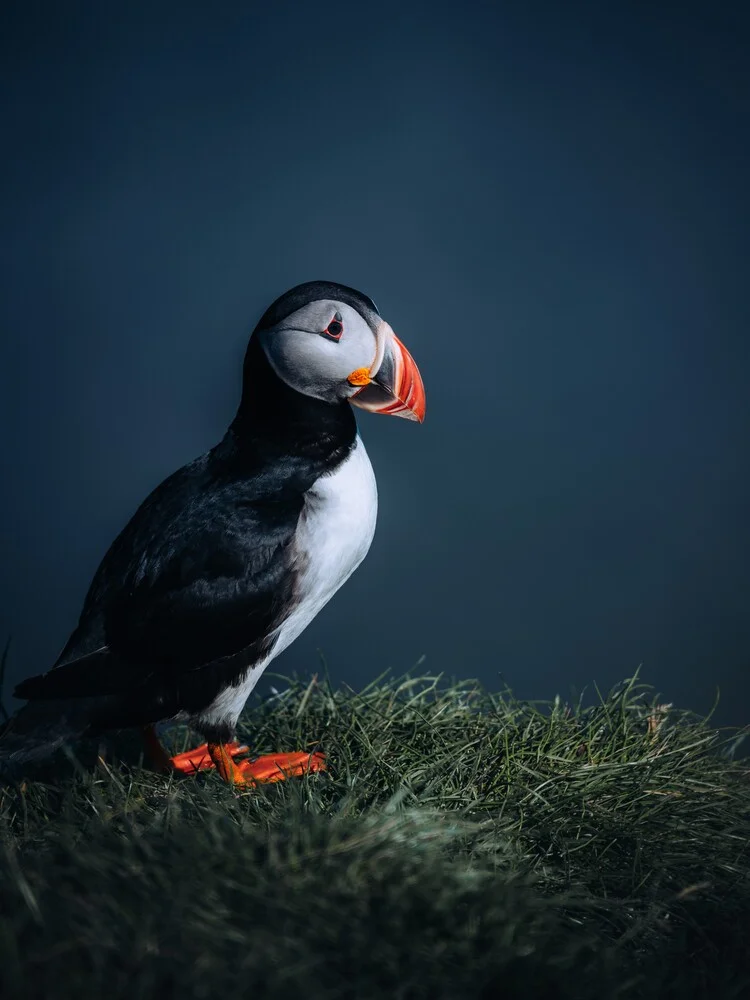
(316, 366)
(300, 360)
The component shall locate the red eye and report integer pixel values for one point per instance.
(335, 328)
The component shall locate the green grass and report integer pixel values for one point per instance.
(462, 845)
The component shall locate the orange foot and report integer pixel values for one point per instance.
(199, 759)
(189, 762)
(265, 769)
(270, 767)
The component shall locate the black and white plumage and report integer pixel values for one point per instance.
(232, 556)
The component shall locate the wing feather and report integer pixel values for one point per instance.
(205, 581)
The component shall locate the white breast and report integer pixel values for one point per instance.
(334, 534)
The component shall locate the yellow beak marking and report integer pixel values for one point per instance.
(360, 376)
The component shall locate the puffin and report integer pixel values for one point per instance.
(229, 559)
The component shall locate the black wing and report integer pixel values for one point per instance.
(199, 577)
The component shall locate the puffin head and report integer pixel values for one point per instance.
(329, 342)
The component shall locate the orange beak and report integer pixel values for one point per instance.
(395, 387)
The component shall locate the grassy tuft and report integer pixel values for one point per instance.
(463, 844)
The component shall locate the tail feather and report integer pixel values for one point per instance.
(39, 729)
(91, 674)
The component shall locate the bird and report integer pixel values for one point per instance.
(229, 559)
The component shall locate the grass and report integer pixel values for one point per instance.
(462, 845)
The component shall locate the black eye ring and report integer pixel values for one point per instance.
(335, 328)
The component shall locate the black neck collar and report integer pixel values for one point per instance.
(276, 424)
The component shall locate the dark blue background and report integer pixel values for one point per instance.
(547, 201)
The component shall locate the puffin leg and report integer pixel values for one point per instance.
(152, 745)
(268, 768)
(188, 762)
